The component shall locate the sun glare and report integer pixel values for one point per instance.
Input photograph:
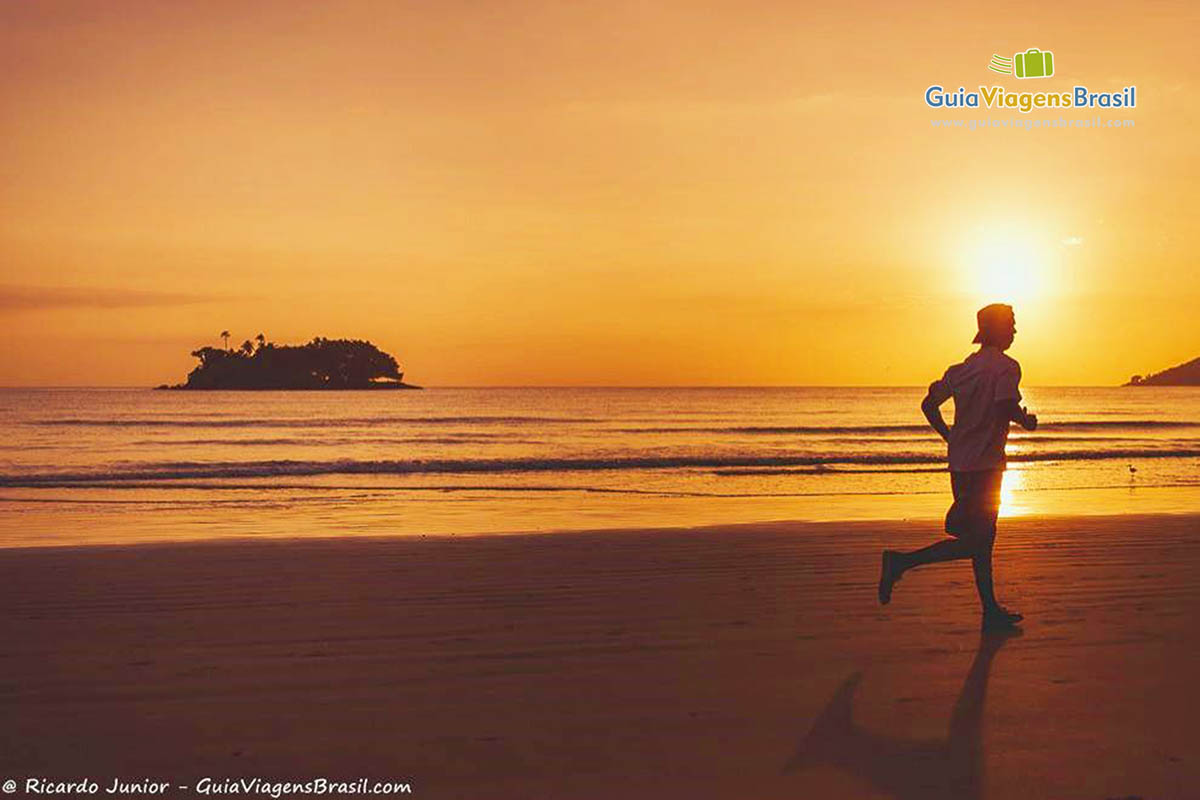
(1005, 267)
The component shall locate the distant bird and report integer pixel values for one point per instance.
(1132, 469)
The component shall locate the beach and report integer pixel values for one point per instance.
(709, 313)
(729, 661)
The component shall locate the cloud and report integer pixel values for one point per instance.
(44, 298)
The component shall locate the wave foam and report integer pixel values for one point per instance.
(170, 471)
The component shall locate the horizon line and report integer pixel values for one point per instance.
(585, 386)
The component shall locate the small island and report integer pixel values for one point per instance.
(319, 364)
(1187, 374)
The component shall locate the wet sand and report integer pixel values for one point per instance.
(739, 661)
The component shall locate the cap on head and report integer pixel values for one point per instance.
(993, 322)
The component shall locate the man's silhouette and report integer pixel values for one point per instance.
(986, 400)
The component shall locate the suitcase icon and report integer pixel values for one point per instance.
(1033, 63)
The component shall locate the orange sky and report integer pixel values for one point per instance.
(597, 193)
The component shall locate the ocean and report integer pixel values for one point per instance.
(84, 466)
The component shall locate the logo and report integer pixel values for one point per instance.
(1033, 63)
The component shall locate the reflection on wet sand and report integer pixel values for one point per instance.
(908, 768)
(1014, 500)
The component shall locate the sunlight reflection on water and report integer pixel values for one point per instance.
(1013, 501)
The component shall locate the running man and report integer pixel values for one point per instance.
(986, 400)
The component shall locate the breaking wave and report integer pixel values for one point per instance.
(171, 471)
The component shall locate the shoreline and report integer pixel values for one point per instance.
(729, 660)
(927, 511)
(795, 526)
(183, 387)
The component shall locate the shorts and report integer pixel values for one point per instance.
(976, 503)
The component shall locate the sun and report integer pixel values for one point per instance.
(1005, 266)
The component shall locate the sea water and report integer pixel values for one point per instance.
(81, 466)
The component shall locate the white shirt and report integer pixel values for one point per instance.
(979, 434)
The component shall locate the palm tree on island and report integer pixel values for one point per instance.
(225, 335)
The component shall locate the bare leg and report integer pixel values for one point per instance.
(974, 513)
(978, 550)
(945, 550)
(982, 562)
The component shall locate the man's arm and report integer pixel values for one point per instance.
(1008, 399)
(931, 406)
(1013, 411)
